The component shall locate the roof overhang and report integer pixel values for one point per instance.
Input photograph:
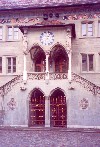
(24, 27)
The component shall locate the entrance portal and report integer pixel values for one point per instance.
(37, 109)
(58, 109)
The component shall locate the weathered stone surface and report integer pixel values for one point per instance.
(48, 138)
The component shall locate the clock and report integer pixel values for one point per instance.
(47, 38)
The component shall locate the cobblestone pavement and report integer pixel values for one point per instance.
(48, 138)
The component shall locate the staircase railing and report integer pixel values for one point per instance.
(9, 85)
(89, 86)
(58, 76)
(36, 76)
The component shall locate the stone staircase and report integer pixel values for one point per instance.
(89, 86)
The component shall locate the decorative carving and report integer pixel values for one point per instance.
(8, 86)
(25, 44)
(84, 103)
(23, 87)
(89, 86)
(11, 104)
(58, 76)
(37, 76)
(71, 14)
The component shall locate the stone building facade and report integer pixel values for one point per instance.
(50, 64)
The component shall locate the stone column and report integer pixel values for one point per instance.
(69, 68)
(25, 47)
(47, 111)
(24, 71)
(68, 45)
(47, 66)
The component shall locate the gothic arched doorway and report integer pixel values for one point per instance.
(37, 109)
(58, 109)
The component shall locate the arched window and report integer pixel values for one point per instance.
(38, 57)
(60, 59)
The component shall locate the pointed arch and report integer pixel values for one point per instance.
(60, 58)
(37, 108)
(57, 88)
(38, 56)
(58, 108)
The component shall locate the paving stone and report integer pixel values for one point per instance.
(49, 138)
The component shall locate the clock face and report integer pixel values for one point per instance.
(47, 38)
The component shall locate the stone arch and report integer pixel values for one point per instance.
(59, 58)
(37, 108)
(38, 57)
(57, 88)
(58, 44)
(58, 108)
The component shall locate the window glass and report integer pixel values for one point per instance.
(99, 29)
(90, 29)
(14, 64)
(84, 62)
(87, 62)
(10, 33)
(1, 33)
(87, 29)
(83, 29)
(90, 62)
(11, 64)
(13, 33)
(0, 64)
(16, 33)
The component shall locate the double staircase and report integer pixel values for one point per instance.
(89, 86)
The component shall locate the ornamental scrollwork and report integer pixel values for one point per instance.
(84, 104)
(11, 104)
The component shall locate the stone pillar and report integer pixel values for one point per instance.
(47, 67)
(25, 48)
(68, 46)
(69, 68)
(24, 71)
(47, 111)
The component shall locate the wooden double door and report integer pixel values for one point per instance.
(58, 112)
(37, 111)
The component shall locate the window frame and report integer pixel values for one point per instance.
(11, 65)
(99, 28)
(88, 63)
(12, 35)
(1, 64)
(87, 28)
(1, 27)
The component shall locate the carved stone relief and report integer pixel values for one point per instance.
(11, 104)
(84, 104)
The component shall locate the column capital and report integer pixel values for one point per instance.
(47, 52)
(69, 52)
(47, 98)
